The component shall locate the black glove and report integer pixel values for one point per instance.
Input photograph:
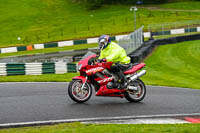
(101, 60)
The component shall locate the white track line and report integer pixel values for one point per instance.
(157, 86)
(34, 123)
(142, 121)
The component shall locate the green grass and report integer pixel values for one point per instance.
(174, 65)
(190, 5)
(39, 21)
(107, 128)
(49, 50)
(67, 77)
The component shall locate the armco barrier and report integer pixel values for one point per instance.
(174, 31)
(147, 47)
(60, 44)
(36, 68)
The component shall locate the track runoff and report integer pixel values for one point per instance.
(140, 119)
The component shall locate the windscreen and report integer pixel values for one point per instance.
(89, 53)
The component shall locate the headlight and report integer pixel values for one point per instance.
(79, 66)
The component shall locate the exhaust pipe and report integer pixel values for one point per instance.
(136, 76)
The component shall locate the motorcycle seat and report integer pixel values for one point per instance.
(125, 67)
(134, 68)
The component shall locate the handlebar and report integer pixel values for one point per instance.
(95, 60)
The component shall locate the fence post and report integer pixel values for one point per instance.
(101, 26)
(37, 37)
(132, 41)
(162, 30)
(176, 13)
(10, 41)
(61, 32)
(26, 39)
(135, 41)
(114, 22)
(138, 16)
(148, 28)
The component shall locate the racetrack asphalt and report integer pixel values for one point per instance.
(25, 102)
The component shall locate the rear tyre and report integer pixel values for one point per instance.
(78, 95)
(136, 95)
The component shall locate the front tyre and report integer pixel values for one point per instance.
(78, 95)
(136, 95)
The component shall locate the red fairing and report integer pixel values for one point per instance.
(135, 68)
(103, 91)
(85, 61)
(105, 80)
(108, 65)
(99, 67)
(94, 70)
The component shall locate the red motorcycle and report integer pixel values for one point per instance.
(106, 83)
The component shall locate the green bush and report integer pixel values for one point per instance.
(134, 1)
(93, 4)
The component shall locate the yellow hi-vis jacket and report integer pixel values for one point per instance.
(114, 53)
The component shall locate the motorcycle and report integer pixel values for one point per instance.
(104, 82)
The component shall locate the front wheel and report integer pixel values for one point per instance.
(138, 94)
(78, 95)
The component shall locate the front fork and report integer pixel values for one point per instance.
(84, 83)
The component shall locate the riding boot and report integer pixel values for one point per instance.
(123, 80)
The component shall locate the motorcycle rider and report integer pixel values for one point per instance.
(112, 52)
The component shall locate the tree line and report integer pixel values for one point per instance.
(94, 4)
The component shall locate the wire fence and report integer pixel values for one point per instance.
(67, 32)
(132, 41)
(91, 28)
(175, 25)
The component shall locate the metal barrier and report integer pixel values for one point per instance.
(148, 46)
(132, 41)
(36, 68)
(175, 31)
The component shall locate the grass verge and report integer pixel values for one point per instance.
(174, 65)
(39, 78)
(187, 5)
(107, 128)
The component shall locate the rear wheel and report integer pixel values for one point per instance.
(138, 94)
(78, 95)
